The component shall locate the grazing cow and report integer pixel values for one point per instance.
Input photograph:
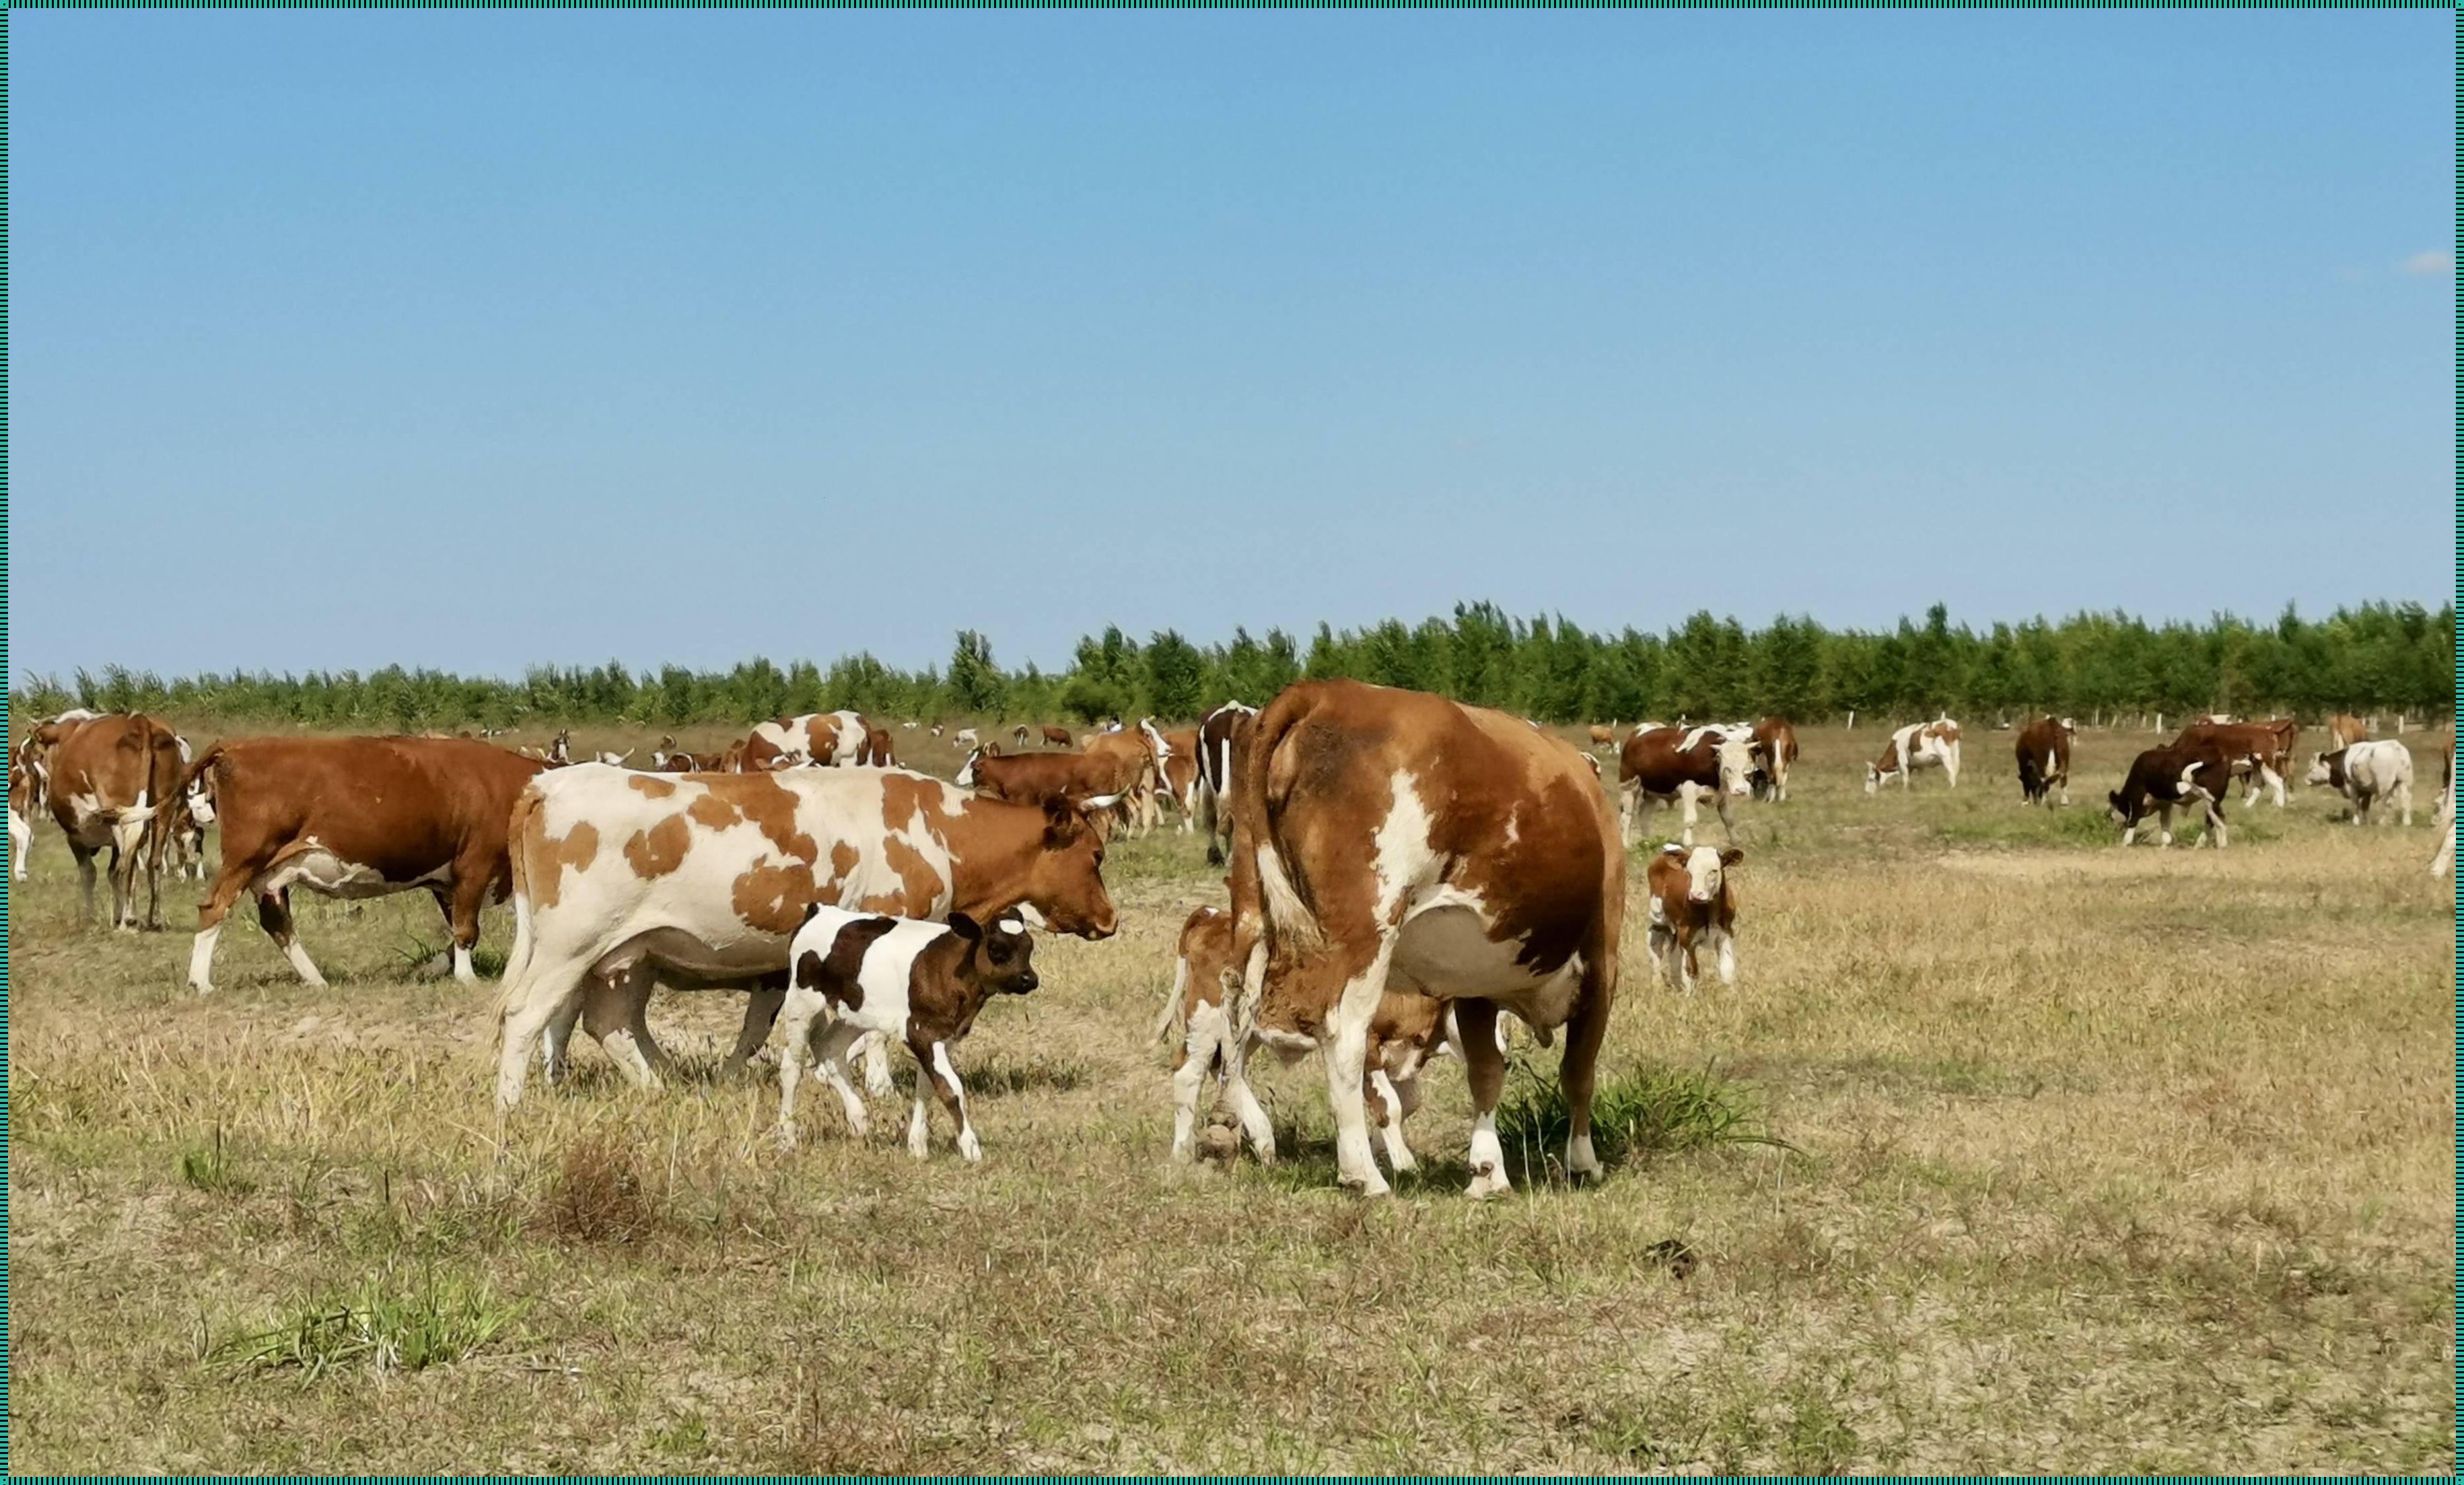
(358, 817)
(2174, 776)
(114, 780)
(1774, 746)
(1407, 1030)
(1919, 745)
(1384, 834)
(1693, 904)
(616, 759)
(1018, 734)
(187, 843)
(880, 751)
(1602, 736)
(701, 880)
(1673, 765)
(2252, 748)
(2365, 773)
(818, 740)
(2345, 729)
(1217, 769)
(916, 983)
(1059, 736)
(965, 737)
(2044, 750)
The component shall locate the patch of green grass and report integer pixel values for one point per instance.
(210, 1169)
(388, 1322)
(1644, 1111)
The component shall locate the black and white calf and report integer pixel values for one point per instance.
(916, 983)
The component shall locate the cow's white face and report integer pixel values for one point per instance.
(2320, 772)
(1705, 869)
(201, 802)
(967, 774)
(1737, 765)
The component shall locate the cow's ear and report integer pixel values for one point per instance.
(966, 927)
(1731, 856)
(809, 970)
(812, 910)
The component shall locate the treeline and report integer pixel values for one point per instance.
(2091, 666)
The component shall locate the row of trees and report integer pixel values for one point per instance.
(2377, 658)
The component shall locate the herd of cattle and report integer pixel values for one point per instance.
(1402, 869)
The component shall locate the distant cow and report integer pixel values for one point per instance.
(186, 844)
(114, 783)
(2345, 729)
(2365, 773)
(965, 737)
(358, 817)
(1693, 904)
(2442, 861)
(1176, 768)
(2045, 751)
(1016, 735)
(1217, 769)
(918, 984)
(1601, 736)
(819, 740)
(2172, 777)
(1919, 745)
(1774, 749)
(1407, 1030)
(1059, 736)
(1384, 833)
(2253, 749)
(1673, 765)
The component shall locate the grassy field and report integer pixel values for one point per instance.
(2091, 1161)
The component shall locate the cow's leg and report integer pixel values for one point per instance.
(1728, 946)
(231, 883)
(1485, 1070)
(1685, 798)
(944, 1075)
(463, 905)
(1578, 1070)
(761, 1011)
(2403, 797)
(1389, 1110)
(2165, 825)
(545, 993)
(2215, 822)
(1629, 794)
(273, 914)
(1345, 1040)
(1199, 1054)
(615, 1011)
(556, 1039)
(804, 1010)
(21, 839)
(1728, 822)
(876, 1066)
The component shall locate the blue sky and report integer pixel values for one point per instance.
(478, 340)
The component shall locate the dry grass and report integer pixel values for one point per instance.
(2100, 1162)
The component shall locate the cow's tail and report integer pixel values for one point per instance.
(1174, 1017)
(517, 960)
(1282, 894)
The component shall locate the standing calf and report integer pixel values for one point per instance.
(1693, 904)
(916, 983)
(2174, 777)
(2365, 773)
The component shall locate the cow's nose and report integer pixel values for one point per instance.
(1697, 897)
(1027, 982)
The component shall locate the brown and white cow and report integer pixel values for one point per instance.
(819, 740)
(1386, 837)
(2175, 776)
(1216, 769)
(700, 880)
(358, 817)
(1682, 765)
(2344, 730)
(1775, 747)
(184, 845)
(2252, 749)
(1693, 905)
(1919, 745)
(1407, 1030)
(2365, 773)
(1018, 734)
(2044, 752)
(1175, 755)
(113, 782)
(1059, 736)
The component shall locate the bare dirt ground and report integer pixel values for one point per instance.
(2094, 1160)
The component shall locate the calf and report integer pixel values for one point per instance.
(1774, 749)
(2251, 748)
(114, 782)
(919, 984)
(2170, 777)
(188, 823)
(1407, 1030)
(1216, 732)
(2044, 750)
(1693, 904)
(2365, 773)
(1175, 755)
(358, 817)
(2345, 729)
(1673, 765)
(1919, 745)
(1018, 736)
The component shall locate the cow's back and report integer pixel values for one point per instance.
(402, 806)
(1652, 761)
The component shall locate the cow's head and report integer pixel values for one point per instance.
(1001, 958)
(201, 799)
(2116, 806)
(2325, 768)
(1705, 869)
(1065, 884)
(1736, 763)
(967, 770)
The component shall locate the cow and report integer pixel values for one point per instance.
(965, 737)
(1693, 904)
(114, 782)
(2344, 730)
(1058, 737)
(1131, 773)
(1383, 834)
(881, 750)
(1032, 777)
(1919, 745)
(819, 740)
(2365, 773)
(1018, 736)
(2170, 777)
(2442, 861)
(616, 759)
(2045, 751)
(1407, 1030)
(1669, 764)
(900, 979)
(1774, 748)
(1216, 771)
(27, 770)
(700, 880)
(358, 817)
(1602, 736)
(2252, 748)
(187, 842)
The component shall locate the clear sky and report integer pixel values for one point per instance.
(479, 339)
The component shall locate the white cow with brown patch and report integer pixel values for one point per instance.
(819, 740)
(1919, 745)
(700, 880)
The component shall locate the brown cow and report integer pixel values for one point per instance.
(1602, 736)
(1382, 833)
(1131, 775)
(1408, 1029)
(114, 782)
(1774, 749)
(2344, 730)
(358, 817)
(2252, 749)
(1693, 904)
(1680, 765)
(1217, 769)
(2044, 752)
(1175, 757)
(1059, 736)
(2176, 776)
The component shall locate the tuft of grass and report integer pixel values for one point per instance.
(598, 1195)
(386, 1323)
(1646, 1110)
(210, 1169)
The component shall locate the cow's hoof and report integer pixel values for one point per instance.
(1489, 1185)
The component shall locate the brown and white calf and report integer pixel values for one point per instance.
(185, 844)
(918, 984)
(2044, 752)
(819, 740)
(358, 817)
(1218, 736)
(1407, 1030)
(2172, 777)
(2365, 773)
(1683, 765)
(2253, 750)
(1384, 836)
(114, 784)
(1919, 745)
(1693, 905)
(622, 880)
(1774, 749)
